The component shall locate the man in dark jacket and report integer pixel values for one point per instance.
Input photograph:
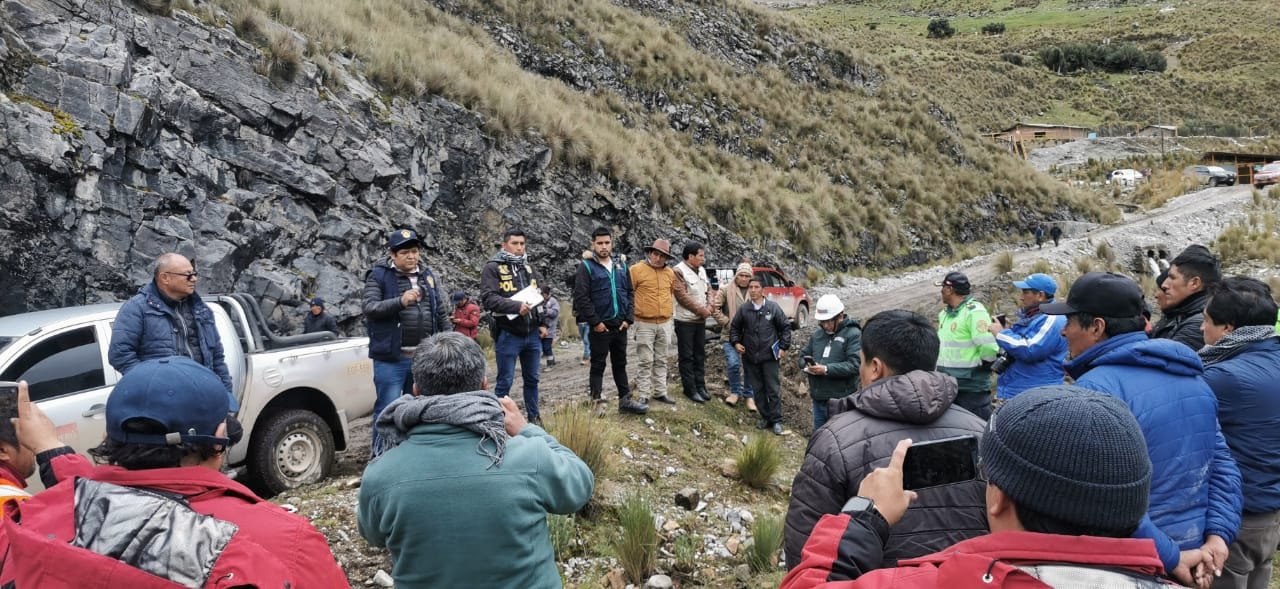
(1056, 520)
(761, 333)
(903, 396)
(1242, 366)
(317, 320)
(404, 303)
(602, 297)
(1195, 488)
(1192, 275)
(167, 318)
(515, 322)
(831, 357)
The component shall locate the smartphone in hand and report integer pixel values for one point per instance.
(940, 462)
(8, 400)
(1003, 319)
(808, 361)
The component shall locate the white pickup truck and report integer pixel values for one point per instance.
(297, 393)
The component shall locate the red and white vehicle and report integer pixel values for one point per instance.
(793, 299)
(1268, 175)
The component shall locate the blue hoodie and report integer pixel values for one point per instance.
(1195, 485)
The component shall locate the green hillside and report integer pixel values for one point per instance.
(1222, 76)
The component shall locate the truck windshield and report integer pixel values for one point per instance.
(5, 341)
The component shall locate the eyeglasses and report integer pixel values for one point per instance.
(190, 276)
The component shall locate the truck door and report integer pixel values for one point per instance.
(68, 376)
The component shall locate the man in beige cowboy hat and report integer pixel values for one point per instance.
(651, 335)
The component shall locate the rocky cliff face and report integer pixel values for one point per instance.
(125, 134)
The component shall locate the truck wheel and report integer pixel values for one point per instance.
(802, 316)
(292, 448)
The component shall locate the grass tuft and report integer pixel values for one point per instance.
(563, 530)
(575, 428)
(758, 461)
(766, 533)
(637, 544)
(1003, 262)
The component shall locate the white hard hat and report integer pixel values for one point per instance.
(828, 306)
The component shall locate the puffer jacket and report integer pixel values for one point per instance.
(1195, 484)
(860, 436)
(758, 329)
(1037, 347)
(839, 353)
(1249, 414)
(845, 549)
(392, 326)
(266, 547)
(603, 295)
(147, 328)
(1182, 323)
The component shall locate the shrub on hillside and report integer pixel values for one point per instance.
(940, 28)
(759, 461)
(1013, 58)
(1042, 266)
(574, 428)
(1003, 263)
(993, 28)
(1111, 57)
(637, 545)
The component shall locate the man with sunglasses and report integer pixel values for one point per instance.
(167, 318)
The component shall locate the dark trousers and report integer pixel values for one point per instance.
(691, 345)
(610, 344)
(766, 380)
(978, 403)
(528, 349)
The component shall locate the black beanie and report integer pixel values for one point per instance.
(1072, 454)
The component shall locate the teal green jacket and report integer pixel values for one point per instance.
(839, 352)
(451, 521)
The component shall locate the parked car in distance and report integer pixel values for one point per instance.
(1209, 175)
(1126, 177)
(793, 299)
(297, 393)
(1268, 175)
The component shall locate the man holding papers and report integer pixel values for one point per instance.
(761, 333)
(516, 318)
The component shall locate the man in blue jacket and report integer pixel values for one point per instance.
(1195, 487)
(1033, 346)
(1242, 366)
(167, 318)
(602, 298)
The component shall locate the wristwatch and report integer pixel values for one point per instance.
(856, 505)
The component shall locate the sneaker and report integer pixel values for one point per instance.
(751, 405)
(777, 429)
(584, 362)
(665, 399)
(631, 406)
(762, 424)
(731, 400)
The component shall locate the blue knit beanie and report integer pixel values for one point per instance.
(1070, 453)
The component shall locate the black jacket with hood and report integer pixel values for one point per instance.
(1182, 323)
(860, 436)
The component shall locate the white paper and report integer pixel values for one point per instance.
(530, 295)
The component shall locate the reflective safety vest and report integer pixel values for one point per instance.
(966, 345)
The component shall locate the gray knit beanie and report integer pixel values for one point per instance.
(1072, 454)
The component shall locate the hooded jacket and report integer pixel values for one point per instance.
(860, 436)
(845, 549)
(269, 547)
(1249, 414)
(1182, 323)
(1195, 484)
(1036, 345)
(839, 353)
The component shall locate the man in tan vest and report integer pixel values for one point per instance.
(650, 337)
(690, 315)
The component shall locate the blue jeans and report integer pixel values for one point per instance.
(583, 331)
(733, 370)
(390, 380)
(819, 414)
(528, 348)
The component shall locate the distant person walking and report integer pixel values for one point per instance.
(1055, 233)
(1038, 233)
(466, 315)
(317, 320)
(650, 337)
(602, 298)
(550, 326)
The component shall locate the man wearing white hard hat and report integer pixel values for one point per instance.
(831, 358)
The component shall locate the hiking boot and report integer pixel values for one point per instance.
(751, 405)
(702, 392)
(762, 424)
(731, 400)
(777, 429)
(665, 399)
(633, 407)
(695, 397)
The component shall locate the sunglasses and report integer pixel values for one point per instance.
(190, 276)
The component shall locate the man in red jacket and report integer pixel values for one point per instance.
(1067, 483)
(466, 315)
(160, 514)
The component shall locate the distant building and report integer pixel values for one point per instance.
(1024, 136)
(1158, 131)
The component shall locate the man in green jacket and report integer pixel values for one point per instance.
(968, 348)
(831, 358)
(461, 494)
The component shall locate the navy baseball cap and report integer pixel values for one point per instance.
(458, 295)
(188, 399)
(1041, 282)
(1101, 294)
(957, 281)
(403, 238)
